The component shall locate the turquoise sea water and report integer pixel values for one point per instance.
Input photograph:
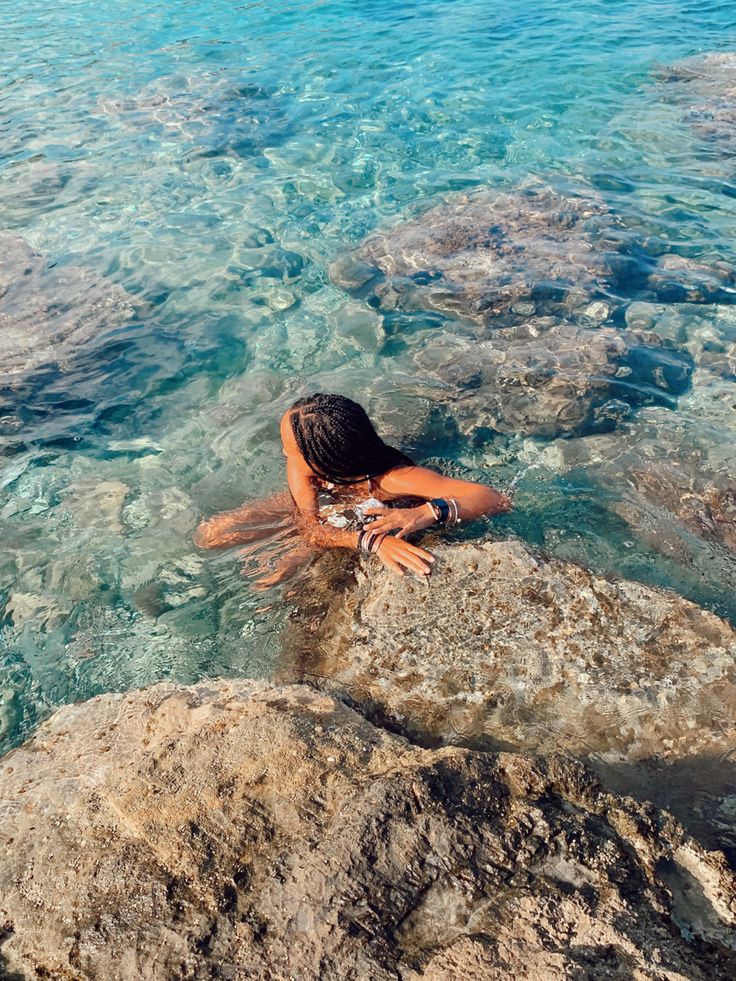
(211, 160)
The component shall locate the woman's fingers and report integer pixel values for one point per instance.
(392, 564)
(411, 557)
(382, 524)
(415, 564)
(422, 553)
(392, 546)
(405, 557)
(407, 530)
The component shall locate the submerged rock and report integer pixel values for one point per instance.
(243, 830)
(707, 85)
(497, 259)
(548, 379)
(677, 279)
(669, 475)
(47, 312)
(493, 258)
(707, 333)
(219, 116)
(97, 504)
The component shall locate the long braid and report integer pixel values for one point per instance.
(338, 440)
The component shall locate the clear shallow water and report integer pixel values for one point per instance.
(211, 160)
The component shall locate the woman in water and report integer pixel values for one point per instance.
(333, 452)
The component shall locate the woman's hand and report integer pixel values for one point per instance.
(399, 555)
(403, 521)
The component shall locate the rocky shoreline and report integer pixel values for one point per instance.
(239, 830)
(517, 770)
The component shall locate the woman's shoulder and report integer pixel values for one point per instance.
(397, 480)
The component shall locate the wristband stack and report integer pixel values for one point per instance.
(447, 513)
(368, 545)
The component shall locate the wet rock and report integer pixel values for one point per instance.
(47, 312)
(547, 378)
(493, 258)
(253, 831)
(502, 648)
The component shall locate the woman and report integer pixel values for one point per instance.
(332, 448)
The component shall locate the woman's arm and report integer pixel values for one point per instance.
(248, 523)
(306, 513)
(473, 500)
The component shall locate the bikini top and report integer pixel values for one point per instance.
(328, 485)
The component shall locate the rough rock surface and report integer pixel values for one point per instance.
(492, 258)
(548, 378)
(238, 830)
(506, 649)
(48, 311)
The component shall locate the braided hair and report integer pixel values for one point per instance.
(338, 440)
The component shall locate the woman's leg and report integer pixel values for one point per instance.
(249, 523)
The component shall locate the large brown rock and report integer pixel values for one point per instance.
(238, 830)
(525, 653)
